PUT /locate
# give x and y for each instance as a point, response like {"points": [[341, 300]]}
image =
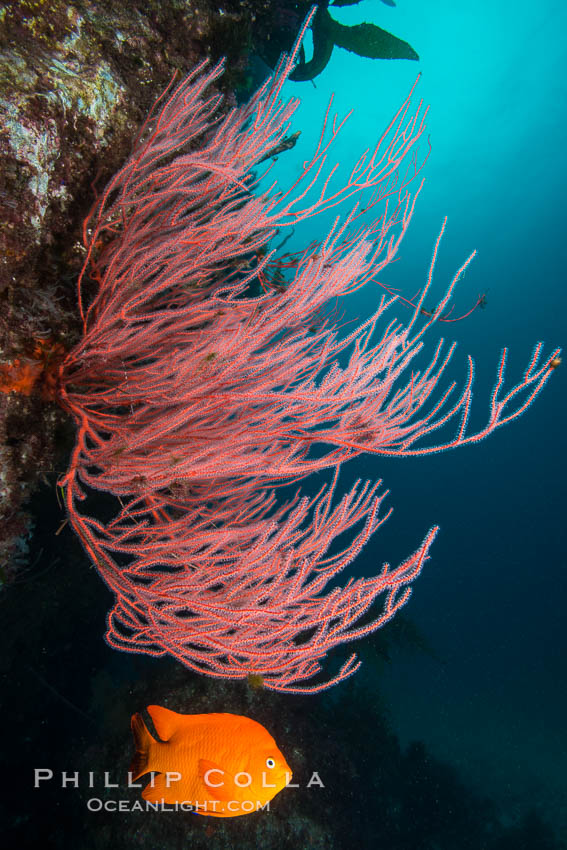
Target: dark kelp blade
{"points": [[372, 41]]}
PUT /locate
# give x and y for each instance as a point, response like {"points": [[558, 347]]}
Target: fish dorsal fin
{"points": [[141, 763], [218, 792], [167, 722]]}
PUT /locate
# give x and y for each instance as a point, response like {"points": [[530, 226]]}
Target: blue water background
{"points": [[491, 601]]}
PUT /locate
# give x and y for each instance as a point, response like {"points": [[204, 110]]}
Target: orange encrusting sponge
{"points": [[37, 371]]}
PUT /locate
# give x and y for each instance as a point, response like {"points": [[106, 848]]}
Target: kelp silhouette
{"points": [[363, 39]]}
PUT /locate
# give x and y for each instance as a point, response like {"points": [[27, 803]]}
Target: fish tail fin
{"points": [[142, 741]]}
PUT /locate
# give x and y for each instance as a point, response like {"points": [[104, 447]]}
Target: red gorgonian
{"points": [[194, 399]]}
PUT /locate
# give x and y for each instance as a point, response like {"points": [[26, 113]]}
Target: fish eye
{"points": [[270, 762]]}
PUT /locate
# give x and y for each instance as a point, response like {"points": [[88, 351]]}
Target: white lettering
{"points": [[315, 780], [247, 780], [266, 784], [40, 774], [288, 781], [70, 779], [131, 783], [208, 780], [107, 782]]}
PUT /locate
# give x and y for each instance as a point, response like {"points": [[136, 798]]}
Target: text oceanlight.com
{"points": [[95, 804]]}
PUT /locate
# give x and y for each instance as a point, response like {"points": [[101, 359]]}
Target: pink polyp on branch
{"points": [[194, 399]]}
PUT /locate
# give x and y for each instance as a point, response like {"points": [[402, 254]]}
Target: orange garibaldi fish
{"points": [[224, 765]]}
